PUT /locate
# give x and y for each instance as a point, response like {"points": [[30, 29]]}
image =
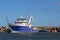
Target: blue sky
{"points": [[44, 12]]}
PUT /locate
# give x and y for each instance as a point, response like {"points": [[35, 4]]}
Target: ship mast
{"points": [[7, 21]]}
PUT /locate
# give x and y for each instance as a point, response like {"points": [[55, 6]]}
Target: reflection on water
{"points": [[33, 36]]}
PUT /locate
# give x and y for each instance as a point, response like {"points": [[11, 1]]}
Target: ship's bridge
{"points": [[21, 20]]}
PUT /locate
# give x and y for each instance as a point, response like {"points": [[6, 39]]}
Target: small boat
{"points": [[22, 25]]}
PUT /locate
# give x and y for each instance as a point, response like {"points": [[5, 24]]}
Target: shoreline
{"points": [[41, 28]]}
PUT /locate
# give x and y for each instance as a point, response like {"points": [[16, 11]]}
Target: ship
{"points": [[22, 25]]}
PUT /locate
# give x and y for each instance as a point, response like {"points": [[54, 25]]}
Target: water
{"points": [[34, 36]]}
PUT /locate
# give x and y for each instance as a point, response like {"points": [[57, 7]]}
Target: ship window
{"points": [[18, 22], [22, 19], [21, 22]]}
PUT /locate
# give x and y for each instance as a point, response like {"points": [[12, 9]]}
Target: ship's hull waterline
{"points": [[22, 29]]}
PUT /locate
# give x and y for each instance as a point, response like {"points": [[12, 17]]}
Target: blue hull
{"points": [[23, 29]]}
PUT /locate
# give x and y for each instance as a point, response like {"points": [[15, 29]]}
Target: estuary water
{"points": [[32, 36]]}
